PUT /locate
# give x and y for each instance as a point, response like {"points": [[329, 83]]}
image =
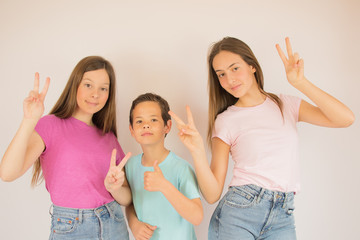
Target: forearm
{"points": [[131, 215], [12, 164], [334, 110], [189, 209], [210, 187], [123, 196]]}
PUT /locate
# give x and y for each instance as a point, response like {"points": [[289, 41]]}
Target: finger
{"points": [[281, 54], [45, 88], [36, 82], [190, 116], [150, 226], [156, 167], [176, 118], [124, 161], [296, 58], [288, 46], [113, 158]]}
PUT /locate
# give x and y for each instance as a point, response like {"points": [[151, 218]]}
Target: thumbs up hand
{"points": [[154, 181], [115, 176]]}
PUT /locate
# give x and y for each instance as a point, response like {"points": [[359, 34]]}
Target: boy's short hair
{"points": [[151, 97]]}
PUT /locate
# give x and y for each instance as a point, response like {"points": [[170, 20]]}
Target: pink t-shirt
{"points": [[75, 161], [263, 145]]}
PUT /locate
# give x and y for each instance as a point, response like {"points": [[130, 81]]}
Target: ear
{"points": [[168, 126], [131, 130], [253, 69]]}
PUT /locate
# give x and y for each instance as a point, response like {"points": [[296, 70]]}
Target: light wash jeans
{"points": [[250, 212], [103, 223]]}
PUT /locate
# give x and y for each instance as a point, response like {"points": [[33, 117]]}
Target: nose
{"points": [[95, 93], [146, 126]]}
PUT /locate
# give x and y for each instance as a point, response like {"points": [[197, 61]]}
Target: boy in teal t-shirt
{"points": [[166, 199]]}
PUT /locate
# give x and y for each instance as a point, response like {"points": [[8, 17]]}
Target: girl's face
{"points": [[234, 74], [148, 127], [92, 94]]}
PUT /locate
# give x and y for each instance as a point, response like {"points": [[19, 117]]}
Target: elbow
{"points": [[198, 218], [347, 122], [6, 177], [212, 200]]}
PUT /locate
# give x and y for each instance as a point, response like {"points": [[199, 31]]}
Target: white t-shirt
{"points": [[263, 144]]}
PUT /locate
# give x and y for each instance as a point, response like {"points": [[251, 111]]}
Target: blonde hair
{"points": [[219, 98], [104, 119]]}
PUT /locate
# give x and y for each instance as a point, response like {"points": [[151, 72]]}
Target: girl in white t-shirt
{"points": [[258, 129]]}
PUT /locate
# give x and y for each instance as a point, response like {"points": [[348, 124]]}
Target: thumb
{"points": [[156, 167], [150, 226]]}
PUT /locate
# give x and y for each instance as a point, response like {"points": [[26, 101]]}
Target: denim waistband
{"points": [[80, 214], [265, 193]]}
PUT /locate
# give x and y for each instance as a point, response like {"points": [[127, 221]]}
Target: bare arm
{"points": [[328, 112], [140, 230], [211, 178], [26, 145], [189, 209]]}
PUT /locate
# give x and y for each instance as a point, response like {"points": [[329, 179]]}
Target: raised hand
{"points": [[188, 133], [115, 176], [154, 181], [294, 65], [33, 105]]}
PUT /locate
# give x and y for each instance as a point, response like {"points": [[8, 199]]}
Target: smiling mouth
{"points": [[236, 87], [90, 103]]}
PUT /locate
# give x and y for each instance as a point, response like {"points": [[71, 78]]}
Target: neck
{"points": [[84, 118], [152, 154], [251, 99]]}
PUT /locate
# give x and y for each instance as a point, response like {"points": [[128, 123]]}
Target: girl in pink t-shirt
{"points": [[258, 129], [77, 151]]}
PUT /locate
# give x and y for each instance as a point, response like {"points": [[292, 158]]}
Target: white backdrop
{"points": [[161, 46]]}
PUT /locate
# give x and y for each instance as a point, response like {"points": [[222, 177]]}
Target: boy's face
{"points": [[148, 126]]}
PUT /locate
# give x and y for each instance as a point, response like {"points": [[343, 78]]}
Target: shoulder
{"points": [[289, 99], [179, 163], [133, 162]]}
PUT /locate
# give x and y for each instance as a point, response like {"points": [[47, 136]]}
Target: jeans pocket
{"points": [[63, 224], [240, 198]]}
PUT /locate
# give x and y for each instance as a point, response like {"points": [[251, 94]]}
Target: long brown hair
{"points": [[219, 98], [65, 107]]}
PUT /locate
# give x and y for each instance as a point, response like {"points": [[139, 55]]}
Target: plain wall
{"points": [[161, 47]]}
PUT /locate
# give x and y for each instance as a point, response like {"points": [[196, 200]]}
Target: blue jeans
{"points": [[103, 223], [251, 212]]}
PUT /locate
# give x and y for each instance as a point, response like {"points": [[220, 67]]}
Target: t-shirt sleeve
{"points": [[221, 131], [188, 183], [292, 103], [45, 128]]}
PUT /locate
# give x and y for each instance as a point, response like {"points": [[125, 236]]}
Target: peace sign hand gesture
{"points": [[115, 177], [188, 133], [33, 105], [294, 65]]}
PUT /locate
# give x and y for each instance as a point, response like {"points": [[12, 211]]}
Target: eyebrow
{"points": [[227, 67], [88, 79]]}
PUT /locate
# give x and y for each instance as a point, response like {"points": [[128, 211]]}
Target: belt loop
{"points": [[284, 203], [51, 208], [109, 209], [260, 195], [80, 217]]}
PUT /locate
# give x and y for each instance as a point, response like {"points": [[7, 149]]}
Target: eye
{"points": [[154, 120], [221, 75], [104, 89], [235, 69], [88, 85], [138, 122]]}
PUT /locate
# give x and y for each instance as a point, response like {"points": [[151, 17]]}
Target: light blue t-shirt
{"points": [[152, 207]]}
